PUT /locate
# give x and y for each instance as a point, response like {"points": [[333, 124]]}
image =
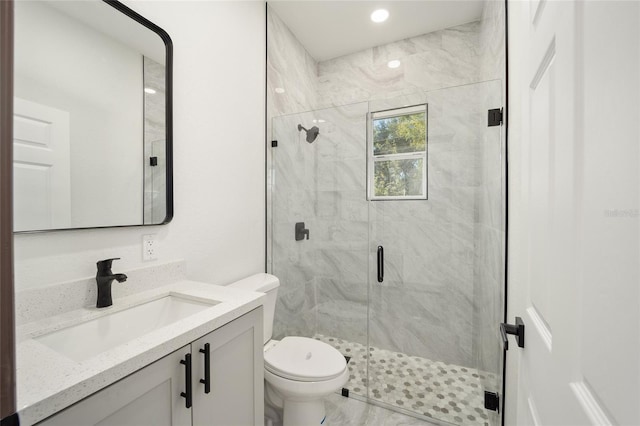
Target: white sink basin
{"points": [[88, 339]]}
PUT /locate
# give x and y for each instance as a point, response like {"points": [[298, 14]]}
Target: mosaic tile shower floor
{"points": [[444, 392]]}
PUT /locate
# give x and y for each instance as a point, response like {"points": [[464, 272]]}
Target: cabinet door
{"points": [[236, 375], [149, 397]]}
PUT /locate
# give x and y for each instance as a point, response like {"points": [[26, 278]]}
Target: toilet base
{"points": [[304, 413], [301, 403]]}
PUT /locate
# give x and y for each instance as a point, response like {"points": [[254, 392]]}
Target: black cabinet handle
{"points": [[207, 368], [187, 375], [380, 264]]}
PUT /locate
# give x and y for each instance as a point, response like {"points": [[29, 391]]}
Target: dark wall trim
{"points": [[7, 326]]}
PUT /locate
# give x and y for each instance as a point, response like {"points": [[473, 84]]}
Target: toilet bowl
{"points": [[299, 372]]}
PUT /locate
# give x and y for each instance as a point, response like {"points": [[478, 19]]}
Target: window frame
{"points": [[372, 158]]}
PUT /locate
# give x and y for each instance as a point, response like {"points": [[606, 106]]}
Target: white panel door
{"points": [[41, 167], [575, 234]]}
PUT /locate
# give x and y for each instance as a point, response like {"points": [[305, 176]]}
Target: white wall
{"points": [[104, 105], [218, 227]]}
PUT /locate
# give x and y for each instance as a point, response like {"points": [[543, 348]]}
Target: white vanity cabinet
{"points": [[236, 395], [156, 394], [150, 396]]}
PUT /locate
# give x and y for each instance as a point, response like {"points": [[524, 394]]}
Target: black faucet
{"points": [[104, 278]]}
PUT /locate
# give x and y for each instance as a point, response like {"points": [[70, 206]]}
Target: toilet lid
{"points": [[304, 359]]}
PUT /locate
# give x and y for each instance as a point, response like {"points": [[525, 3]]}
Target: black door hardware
{"points": [[187, 395], [495, 117], [207, 368], [301, 231], [274, 144], [153, 161], [380, 264], [517, 330], [491, 401]]}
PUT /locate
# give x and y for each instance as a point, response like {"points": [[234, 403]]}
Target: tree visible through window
{"points": [[398, 154]]}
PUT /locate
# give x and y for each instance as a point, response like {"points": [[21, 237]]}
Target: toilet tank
{"points": [[263, 283]]}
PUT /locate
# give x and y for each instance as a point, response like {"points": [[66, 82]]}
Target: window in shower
{"points": [[397, 160]]}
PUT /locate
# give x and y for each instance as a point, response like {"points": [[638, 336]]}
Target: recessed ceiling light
{"points": [[279, 90], [149, 90], [393, 64], [379, 15]]}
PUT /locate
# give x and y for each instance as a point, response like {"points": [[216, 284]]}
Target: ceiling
{"points": [[329, 29]]}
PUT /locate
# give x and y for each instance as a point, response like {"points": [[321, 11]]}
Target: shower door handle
{"points": [[380, 264]]}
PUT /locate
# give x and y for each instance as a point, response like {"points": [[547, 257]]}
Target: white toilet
{"points": [[298, 371]]}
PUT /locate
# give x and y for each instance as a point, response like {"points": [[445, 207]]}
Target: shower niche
{"points": [[401, 158]]}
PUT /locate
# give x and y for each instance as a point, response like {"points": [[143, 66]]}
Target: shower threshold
{"points": [[431, 390]]}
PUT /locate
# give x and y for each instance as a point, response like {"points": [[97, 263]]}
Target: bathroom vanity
{"points": [[186, 353]]}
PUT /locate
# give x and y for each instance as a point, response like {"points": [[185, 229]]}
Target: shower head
{"points": [[312, 133]]}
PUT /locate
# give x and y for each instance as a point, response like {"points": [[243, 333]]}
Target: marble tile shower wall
{"points": [[431, 61], [323, 280], [490, 226], [425, 305], [294, 74], [289, 68], [155, 179], [429, 302]]}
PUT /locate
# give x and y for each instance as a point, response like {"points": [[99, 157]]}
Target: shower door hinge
{"points": [[495, 117], [274, 144], [491, 401], [153, 161]]}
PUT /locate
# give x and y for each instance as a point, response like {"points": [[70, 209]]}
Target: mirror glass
{"points": [[92, 132]]}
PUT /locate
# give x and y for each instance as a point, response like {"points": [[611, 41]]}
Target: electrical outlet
{"points": [[149, 247]]}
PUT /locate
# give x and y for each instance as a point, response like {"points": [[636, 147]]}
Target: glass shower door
{"points": [[433, 342], [424, 339], [321, 184]]}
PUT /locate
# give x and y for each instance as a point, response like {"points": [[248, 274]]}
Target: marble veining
{"points": [[155, 177], [429, 245], [350, 411], [291, 86], [442, 295], [489, 239], [431, 61]]}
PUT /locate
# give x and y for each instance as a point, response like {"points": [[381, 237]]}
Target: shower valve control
{"points": [[301, 231]]}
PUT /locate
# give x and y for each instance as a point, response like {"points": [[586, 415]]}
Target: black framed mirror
{"points": [[92, 117]]}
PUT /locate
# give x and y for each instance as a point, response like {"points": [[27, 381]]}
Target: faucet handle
{"points": [[105, 265]]}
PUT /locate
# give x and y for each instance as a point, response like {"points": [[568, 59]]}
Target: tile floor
{"points": [[343, 411], [444, 392]]}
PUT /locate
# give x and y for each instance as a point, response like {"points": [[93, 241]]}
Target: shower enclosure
{"points": [[403, 268]]}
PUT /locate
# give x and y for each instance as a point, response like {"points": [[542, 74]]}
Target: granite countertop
{"points": [[48, 381]]}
